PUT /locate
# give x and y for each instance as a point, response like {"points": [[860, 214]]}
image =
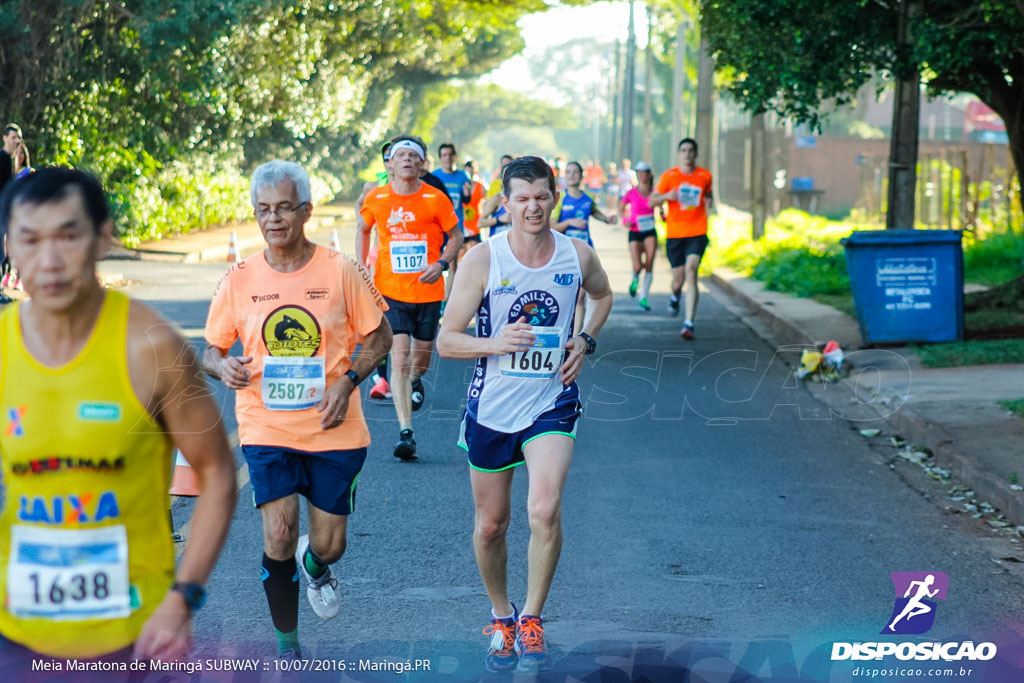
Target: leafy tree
{"points": [[481, 109], [172, 101], [797, 56]]}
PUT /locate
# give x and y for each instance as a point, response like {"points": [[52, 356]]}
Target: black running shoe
{"points": [[405, 449], [419, 394]]}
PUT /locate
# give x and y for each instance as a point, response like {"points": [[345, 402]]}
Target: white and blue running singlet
{"points": [[508, 393], [577, 207]]}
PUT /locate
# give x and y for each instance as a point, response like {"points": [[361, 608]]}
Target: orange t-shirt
{"points": [[471, 221], [687, 213], [410, 229], [318, 312]]}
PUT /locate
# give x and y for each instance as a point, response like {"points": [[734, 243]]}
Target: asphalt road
{"points": [[716, 517]]}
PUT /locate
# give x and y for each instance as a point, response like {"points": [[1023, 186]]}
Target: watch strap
{"points": [[354, 376]]}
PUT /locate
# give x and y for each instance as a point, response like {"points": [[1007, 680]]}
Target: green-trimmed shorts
{"points": [[493, 451]]}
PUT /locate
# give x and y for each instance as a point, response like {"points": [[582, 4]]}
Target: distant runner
{"points": [[687, 189], [411, 220], [572, 218], [638, 217]]}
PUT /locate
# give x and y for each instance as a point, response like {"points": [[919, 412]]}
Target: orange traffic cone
{"points": [[233, 248], [335, 241], [15, 282], [185, 481]]}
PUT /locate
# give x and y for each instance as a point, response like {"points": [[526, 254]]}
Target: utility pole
{"points": [[905, 118], [758, 176], [629, 92], [705, 106], [648, 70], [677, 84], [616, 138]]}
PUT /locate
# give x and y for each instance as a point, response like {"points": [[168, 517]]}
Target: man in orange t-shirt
{"points": [[299, 310], [412, 220], [687, 189]]}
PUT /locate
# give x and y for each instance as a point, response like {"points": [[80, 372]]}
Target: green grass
{"points": [[970, 353], [1016, 407]]}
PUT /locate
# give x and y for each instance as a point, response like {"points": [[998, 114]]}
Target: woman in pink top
{"points": [[638, 217]]}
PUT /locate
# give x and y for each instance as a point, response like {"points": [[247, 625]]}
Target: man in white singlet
{"points": [[523, 406]]}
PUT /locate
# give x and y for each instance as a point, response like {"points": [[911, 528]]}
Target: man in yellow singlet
{"points": [[95, 389]]}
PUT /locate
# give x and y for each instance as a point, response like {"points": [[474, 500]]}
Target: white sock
{"points": [[497, 617], [646, 288], [687, 323]]}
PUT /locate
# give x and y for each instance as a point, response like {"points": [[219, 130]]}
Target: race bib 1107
{"points": [[408, 257]]}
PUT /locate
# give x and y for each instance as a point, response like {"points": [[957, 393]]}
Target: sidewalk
{"points": [[951, 411], [212, 244]]}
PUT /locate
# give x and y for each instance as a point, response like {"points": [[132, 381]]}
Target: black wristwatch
{"points": [[591, 343], [354, 376], [195, 595], [444, 264]]}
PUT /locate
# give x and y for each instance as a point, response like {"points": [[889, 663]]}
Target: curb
{"points": [[986, 486], [910, 427]]}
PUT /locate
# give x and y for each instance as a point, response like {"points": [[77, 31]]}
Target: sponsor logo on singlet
{"points": [[538, 307], [312, 294], [74, 508], [291, 331]]}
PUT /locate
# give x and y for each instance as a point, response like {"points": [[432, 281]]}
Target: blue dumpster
{"points": [[908, 285]]}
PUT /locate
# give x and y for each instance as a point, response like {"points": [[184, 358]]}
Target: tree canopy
{"points": [[171, 101]]}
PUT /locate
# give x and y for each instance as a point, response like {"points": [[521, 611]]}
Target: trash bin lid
{"points": [[899, 237]]}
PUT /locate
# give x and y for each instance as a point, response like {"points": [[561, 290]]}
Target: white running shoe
{"points": [[322, 592]]}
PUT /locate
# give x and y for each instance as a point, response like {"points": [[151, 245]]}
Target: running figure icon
{"points": [[915, 606]]}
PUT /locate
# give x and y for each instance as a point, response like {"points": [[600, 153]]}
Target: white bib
{"points": [[689, 195], [645, 223], [292, 383], [408, 256], [540, 361], [68, 574]]}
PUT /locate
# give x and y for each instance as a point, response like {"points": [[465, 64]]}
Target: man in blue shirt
{"points": [[460, 191]]}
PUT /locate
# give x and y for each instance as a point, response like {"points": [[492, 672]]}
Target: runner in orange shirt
{"points": [[687, 189], [298, 309], [412, 220]]}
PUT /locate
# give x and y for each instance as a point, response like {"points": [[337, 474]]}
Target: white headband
{"points": [[406, 144]]}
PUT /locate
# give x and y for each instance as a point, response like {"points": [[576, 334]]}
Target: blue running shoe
{"points": [[501, 655]]}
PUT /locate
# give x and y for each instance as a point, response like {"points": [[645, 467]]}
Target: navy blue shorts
{"points": [[327, 478], [494, 451]]}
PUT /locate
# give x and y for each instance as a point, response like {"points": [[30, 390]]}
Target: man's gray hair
{"points": [[276, 172]]}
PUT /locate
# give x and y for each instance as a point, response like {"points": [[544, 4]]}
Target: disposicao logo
{"points": [[916, 592], [913, 614]]}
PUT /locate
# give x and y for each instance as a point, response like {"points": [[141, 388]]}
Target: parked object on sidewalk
{"points": [[908, 285]]}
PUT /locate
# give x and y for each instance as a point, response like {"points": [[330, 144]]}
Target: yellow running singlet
{"points": [[85, 541]]}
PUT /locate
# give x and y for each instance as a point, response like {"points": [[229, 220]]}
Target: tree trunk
{"points": [[758, 176], [705, 108], [903, 149]]}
